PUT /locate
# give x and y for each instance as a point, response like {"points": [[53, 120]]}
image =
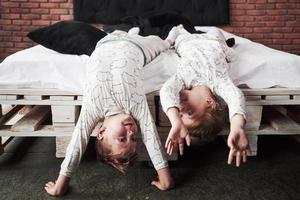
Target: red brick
{"points": [[238, 12], [273, 36], [5, 33], [245, 6], [10, 28], [23, 45], [66, 17], [10, 16], [294, 12], [237, 24], [256, 1], [293, 24], [9, 5], [256, 12], [276, 24], [297, 41], [19, 10], [263, 30], [6, 44], [264, 6], [253, 36], [59, 11], [50, 17], [12, 50], [66, 5], [292, 35], [264, 18], [12, 39], [282, 41], [38, 0], [290, 47], [30, 5], [5, 21], [19, 0], [276, 12], [49, 5], [244, 18], [283, 30], [285, 5], [58, 1], [20, 33], [31, 16], [40, 23], [284, 18], [21, 22], [277, 1], [39, 11], [264, 41], [255, 24], [4, 10]]}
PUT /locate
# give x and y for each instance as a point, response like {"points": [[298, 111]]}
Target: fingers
{"points": [[50, 184], [181, 148], [188, 139], [230, 156], [238, 158], [244, 156], [170, 147]]}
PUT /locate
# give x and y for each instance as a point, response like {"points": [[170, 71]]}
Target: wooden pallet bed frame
{"points": [[55, 113]]}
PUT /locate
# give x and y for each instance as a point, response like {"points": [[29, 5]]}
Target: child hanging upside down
{"points": [[191, 97], [114, 97]]}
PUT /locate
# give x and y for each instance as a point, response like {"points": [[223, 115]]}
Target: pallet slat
{"points": [[32, 120]]}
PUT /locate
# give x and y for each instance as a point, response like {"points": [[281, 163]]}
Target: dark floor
{"points": [[28, 163]]}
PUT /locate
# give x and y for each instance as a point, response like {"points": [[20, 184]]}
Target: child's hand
{"points": [[237, 141], [178, 132], [177, 135], [58, 188], [165, 180]]}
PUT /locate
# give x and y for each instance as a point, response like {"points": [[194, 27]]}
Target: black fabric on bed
{"points": [[153, 23], [68, 37], [199, 12]]}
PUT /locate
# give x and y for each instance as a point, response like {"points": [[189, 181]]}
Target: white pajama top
{"points": [[203, 61], [113, 86]]}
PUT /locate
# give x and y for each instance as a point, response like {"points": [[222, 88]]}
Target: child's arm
{"points": [[77, 146], [237, 139], [170, 101], [153, 145]]}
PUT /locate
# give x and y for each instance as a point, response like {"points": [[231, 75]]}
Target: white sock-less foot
{"points": [[134, 31]]}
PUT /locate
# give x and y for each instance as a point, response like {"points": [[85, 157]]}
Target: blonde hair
{"points": [[211, 123], [121, 161]]}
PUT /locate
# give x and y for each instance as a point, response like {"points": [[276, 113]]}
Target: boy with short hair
{"points": [[191, 97], [114, 96]]}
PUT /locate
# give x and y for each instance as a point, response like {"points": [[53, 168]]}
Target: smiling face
{"points": [[119, 134], [194, 103]]}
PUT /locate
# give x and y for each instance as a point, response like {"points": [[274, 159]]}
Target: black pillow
{"points": [[69, 37]]}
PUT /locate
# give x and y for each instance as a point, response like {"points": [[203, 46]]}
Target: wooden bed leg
{"points": [[253, 144], [1, 146], [61, 145]]}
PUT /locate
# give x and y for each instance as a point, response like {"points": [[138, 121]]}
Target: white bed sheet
{"points": [[255, 65]]}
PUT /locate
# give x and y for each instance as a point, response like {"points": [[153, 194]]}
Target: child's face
{"points": [[119, 133], [194, 103]]}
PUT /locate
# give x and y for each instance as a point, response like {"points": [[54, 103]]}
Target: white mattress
{"points": [[255, 65]]}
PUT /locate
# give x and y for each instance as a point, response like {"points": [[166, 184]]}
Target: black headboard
{"points": [[199, 12]]}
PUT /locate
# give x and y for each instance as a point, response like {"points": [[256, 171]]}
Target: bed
{"points": [[53, 83]]}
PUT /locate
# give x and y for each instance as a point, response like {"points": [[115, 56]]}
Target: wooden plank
{"points": [[30, 91], [253, 144], [10, 97], [271, 91], [64, 114], [8, 115], [273, 102], [35, 97], [43, 131], [38, 102], [32, 120], [253, 115], [280, 121], [62, 98], [277, 97], [61, 145]]}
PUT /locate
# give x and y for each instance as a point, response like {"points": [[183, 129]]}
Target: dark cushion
{"points": [[68, 37]]}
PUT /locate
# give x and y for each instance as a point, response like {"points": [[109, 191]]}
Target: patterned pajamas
{"points": [[113, 86]]}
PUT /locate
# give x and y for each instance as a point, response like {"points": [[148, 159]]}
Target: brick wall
{"points": [[275, 23]]}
